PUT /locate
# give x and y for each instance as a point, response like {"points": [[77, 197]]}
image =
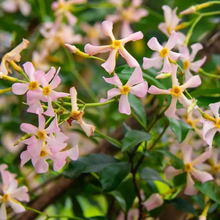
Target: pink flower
{"points": [[202, 176], [63, 7], [76, 115], [132, 215], [135, 86], [188, 59], [11, 193], [42, 134], [59, 158], [46, 94], [176, 91], [129, 15], [212, 125], [153, 202], [12, 6], [115, 47], [164, 53], [13, 55]]}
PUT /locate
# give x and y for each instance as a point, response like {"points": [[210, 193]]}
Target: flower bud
{"points": [[154, 201]]}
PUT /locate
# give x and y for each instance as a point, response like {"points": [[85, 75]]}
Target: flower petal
{"points": [[195, 48], [140, 89], [215, 108], [124, 106], [55, 145], [50, 74], [196, 65], [114, 80], [157, 91], [202, 158], [20, 194], [174, 55], [20, 88], [154, 201], [187, 153], [40, 165], [35, 148], [110, 94], [89, 129], [92, 50], [107, 27], [151, 62], [209, 132], [3, 212], [201, 175], [135, 78], [73, 153], [170, 172], [166, 66], [29, 70], [192, 83], [109, 64], [73, 94], [153, 44], [55, 82], [190, 189], [29, 128], [133, 37], [53, 127], [41, 78], [132, 62], [172, 40], [25, 157]]}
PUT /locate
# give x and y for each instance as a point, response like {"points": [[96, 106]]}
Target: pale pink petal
{"points": [[9, 6], [20, 194], [184, 101], [41, 78], [55, 82], [61, 137], [196, 65], [110, 94], [49, 111], [110, 63], [24, 7], [12, 186], [170, 172], [202, 158], [53, 127], [73, 153], [107, 27], [138, 14], [20, 88], [154, 201], [190, 189], [92, 50], [174, 55], [89, 129], [55, 95], [166, 66], [193, 82], [30, 140], [174, 19], [184, 53], [209, 130], [29, 70], [215, 109], [187, 153], [50, 74], [35, 149], [41, 122], [16, 206], [135, 78], [167, 14], [33, 97], [55, 145], [70, 18], [113, 18], [73, 94], [153, 44], [151, 62], [132, 62], [201, 175], [3, 212], [28, 128], [25, 157], [163, 27], [114, 80], [35, 108], [139, 90], [60, 158], [40, 165], [195, 48], [126, 30], [157, 91], [133, 37], [57, 168], [187, 74], [124, 106], [172, 40], [170, 112]]}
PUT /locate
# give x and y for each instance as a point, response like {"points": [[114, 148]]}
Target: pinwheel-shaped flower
{"points": [[164, 53], [211, 125], [176, 91], [11, 193], [202, 176], [115, 47], [76, 115], [188, 59], [153, 202], [47, 94], [42, 135], [11, 57], [135, 86]]}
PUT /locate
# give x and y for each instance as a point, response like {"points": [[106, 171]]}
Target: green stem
{"points": [[96, 58], [24, 75], [138, 120], [108, 138], [208, 74]]}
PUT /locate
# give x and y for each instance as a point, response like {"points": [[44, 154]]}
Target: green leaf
{"points": [[91, 163], [151, 174], [138, 108], [206, 188], [207, 91], [133, 138], [179, 128], [198, 200], [183, 205], [112, 175], [176, 162], [119, 198]]}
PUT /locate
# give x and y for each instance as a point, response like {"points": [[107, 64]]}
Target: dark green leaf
{"points": [[90, 163], [151, 174], [180, 179], [206, 188], [176, 162], [183, 205], [112, 175], [179, 128], [119, 198], [198, 200], [133, 138]]}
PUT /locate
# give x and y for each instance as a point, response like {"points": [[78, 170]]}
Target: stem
{"points": [[5, 90], [208, 74], [158, 117], [138, 120], [96, 58], [12, 79], [108, 138]]}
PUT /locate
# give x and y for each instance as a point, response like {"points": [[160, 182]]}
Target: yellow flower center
{"points": [[190, 122], [176, 91], [5, 197], [217, 123], [46, 90], [41, 135], [215, 168], [43, 153], [116, 44], [186, 65], [33, 85], [164, 52], [188, 167], [125, 90], [76, 115]]}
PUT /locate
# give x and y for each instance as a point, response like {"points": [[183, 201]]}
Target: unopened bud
{"points": [[163, 76], [189, 10], [192, 106], [75, 50]]}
